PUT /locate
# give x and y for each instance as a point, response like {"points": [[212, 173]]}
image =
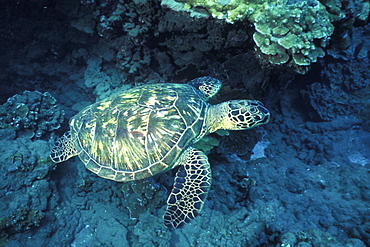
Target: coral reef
{"points": [[21, 220], [24, 186], [315, 173], [316, 237], [229, 10], [143, 196], [35, 111], [292, 34], [153, 44], [103, 80], [129, 23], [343, 92]]}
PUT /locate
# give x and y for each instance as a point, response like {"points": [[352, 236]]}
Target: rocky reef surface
{"points": [[301, 180]]}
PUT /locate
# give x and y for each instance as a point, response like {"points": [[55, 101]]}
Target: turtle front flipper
{"points": [[64, 148], [209, 86], [192, 183]]}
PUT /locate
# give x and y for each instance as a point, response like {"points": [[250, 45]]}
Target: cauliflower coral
{"points": [[292, 34]]}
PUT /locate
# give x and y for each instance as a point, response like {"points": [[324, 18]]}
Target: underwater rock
{"points": [[24, 186], [132, 22], [328, 102], [21, 220], [316, 237], [343, 92], [31, 110], [103, 80], [150, 43], [240, 144], [350, 44], [142, 196], [149, 231]]}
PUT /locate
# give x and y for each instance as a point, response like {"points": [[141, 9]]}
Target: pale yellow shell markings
{"points": [[139, 132], [130, 140], [104, 106]]}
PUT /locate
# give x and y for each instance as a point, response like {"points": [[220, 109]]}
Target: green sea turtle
{"points": [[152, 128]]}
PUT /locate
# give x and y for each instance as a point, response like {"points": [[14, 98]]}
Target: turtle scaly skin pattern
{"points": [[150, 129]]}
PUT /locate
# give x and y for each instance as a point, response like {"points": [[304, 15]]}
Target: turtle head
{"points": [[238, 115]]}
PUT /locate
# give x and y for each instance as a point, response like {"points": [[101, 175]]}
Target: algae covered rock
{"points": [[292, 34], [316, 237], [25, 188], [31, 110], [142, 195]]}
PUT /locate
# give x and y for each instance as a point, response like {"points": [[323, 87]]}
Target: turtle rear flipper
{"points": [[192, 183], [63, 149]]}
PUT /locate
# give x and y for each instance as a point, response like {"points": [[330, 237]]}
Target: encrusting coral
{"points": [[32, 110]]}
